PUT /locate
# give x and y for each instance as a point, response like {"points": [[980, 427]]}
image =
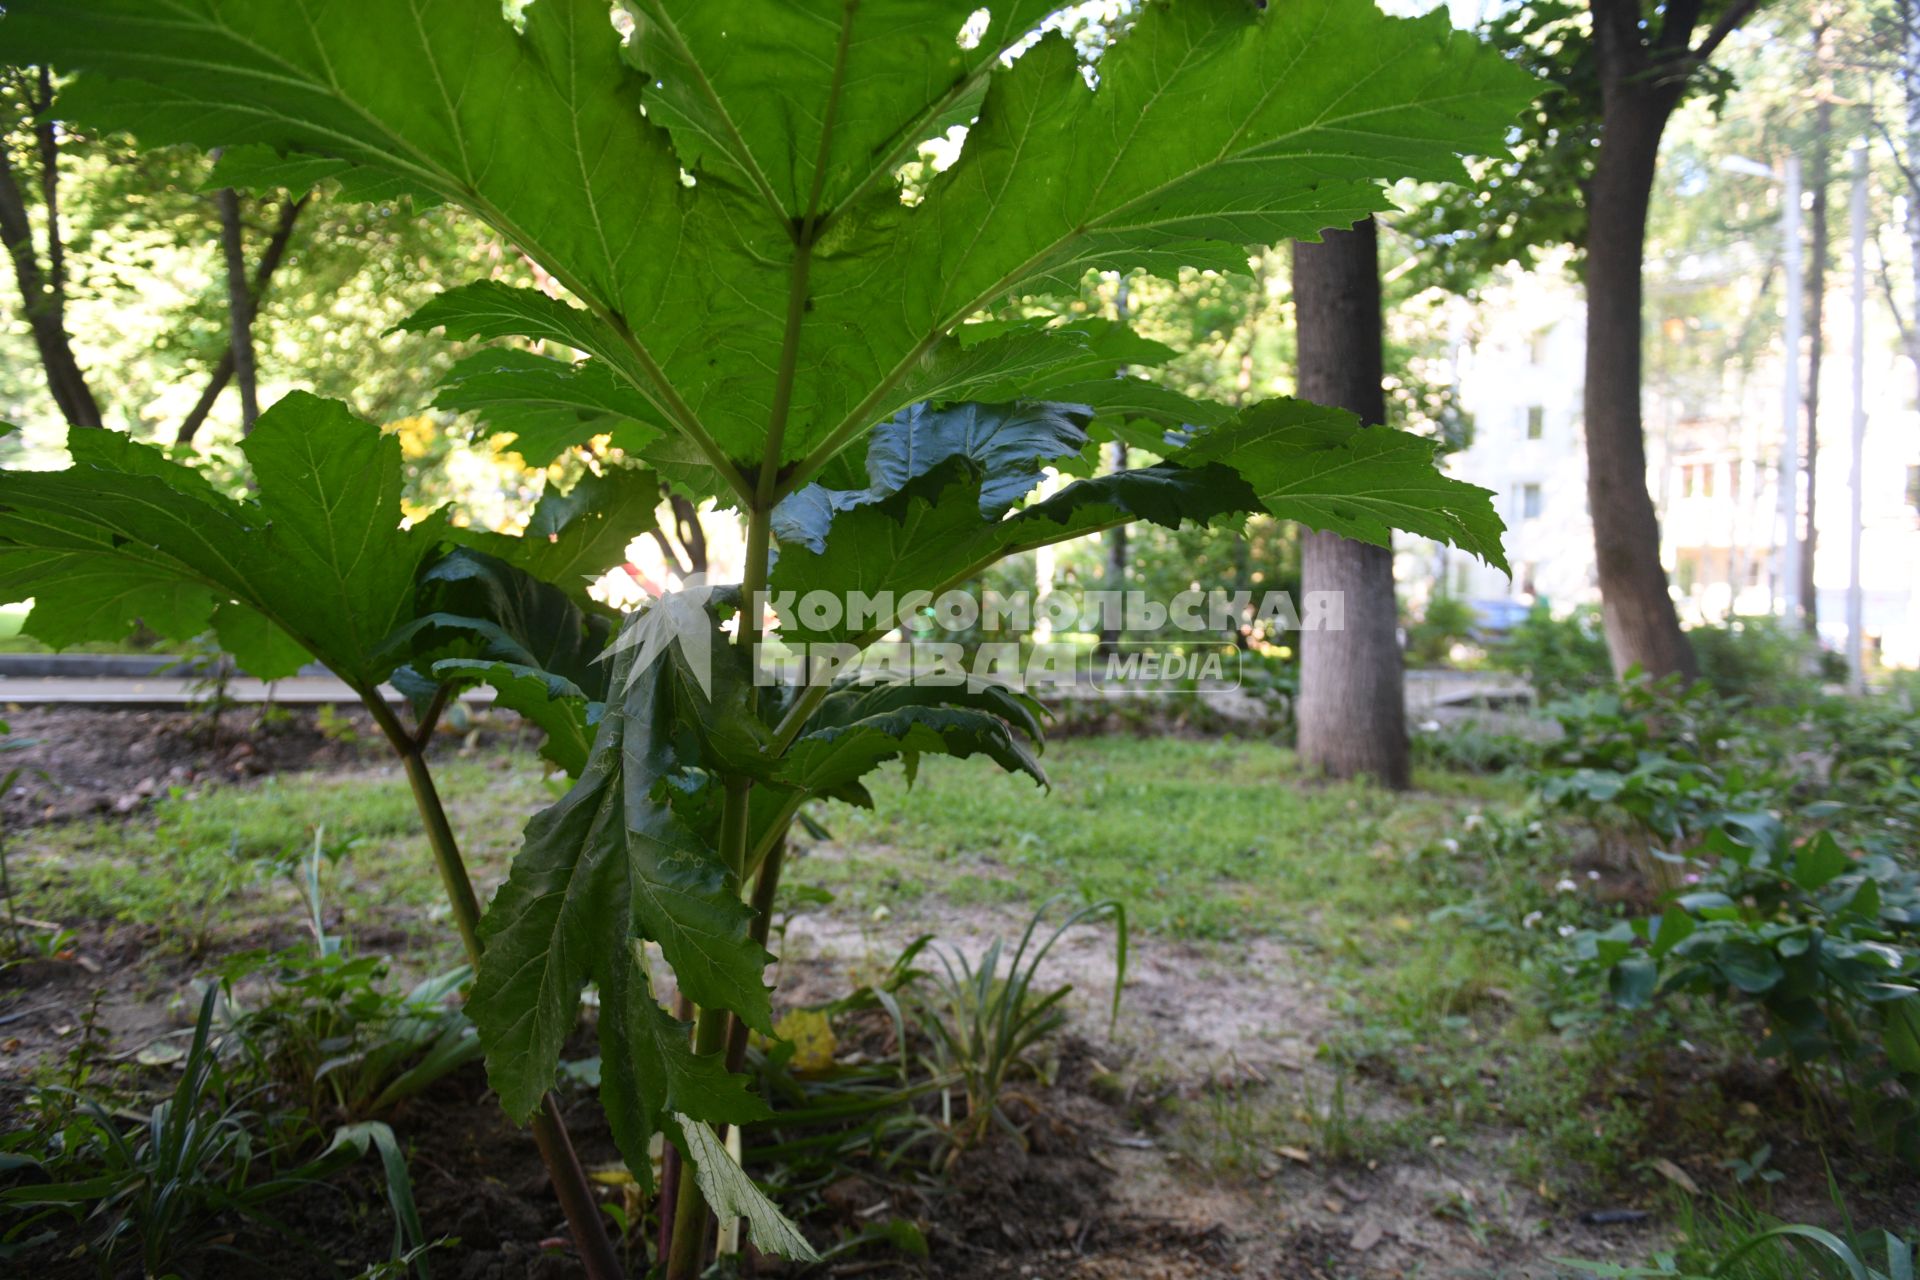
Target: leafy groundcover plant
{"points": [[767, 314]]}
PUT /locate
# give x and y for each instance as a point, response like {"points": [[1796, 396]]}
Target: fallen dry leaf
{"points": [[1365, 1237], [1676, 1175]]}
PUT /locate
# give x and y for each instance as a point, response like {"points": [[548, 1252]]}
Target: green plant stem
{"points": [[670, 1159], [691, 1221], [549, 1133], [765, 890], [689, 1210], [713, 1029]]}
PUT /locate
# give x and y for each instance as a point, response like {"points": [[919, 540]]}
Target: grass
{"points": [[1446, 1006], [1428, 920], [207, 868], [1200, 839]]}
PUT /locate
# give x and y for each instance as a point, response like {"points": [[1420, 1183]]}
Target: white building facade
{"points": [[1712, 471]]}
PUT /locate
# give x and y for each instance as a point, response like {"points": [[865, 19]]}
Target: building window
{"points": [[1536, 421], [1530, 503], [1706, 478], [1537, 348], [1913, 488]]}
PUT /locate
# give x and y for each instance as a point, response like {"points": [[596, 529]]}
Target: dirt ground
{"points": [[1192, 1026], [78, 761], [1102, 1188]]}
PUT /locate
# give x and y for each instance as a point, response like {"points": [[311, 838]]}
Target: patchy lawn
{"points": [[1345, 1029]]}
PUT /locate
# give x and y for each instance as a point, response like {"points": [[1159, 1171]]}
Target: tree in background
{"points": [[1583, 175], [1352, 712], [136, 263], [40, 272]]}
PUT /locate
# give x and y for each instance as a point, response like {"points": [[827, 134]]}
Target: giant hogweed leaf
{"points": [[319, 555], [330, 492], [547, 406], [823, 760], [573, 537], [855, 702], [1220, 126], [747, 96], [1010, 444], [606, 865], [1319, 467], [537, 131], [554, 704], [1214, 124], [490, 309], [1284, 457], [261, 170], [931, 535], [474, 605]]}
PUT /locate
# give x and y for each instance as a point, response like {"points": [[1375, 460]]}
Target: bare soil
{"points": [[81, 761], [1101, 1188]]}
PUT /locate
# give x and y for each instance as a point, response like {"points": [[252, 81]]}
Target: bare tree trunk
{"points": [[239, 306], [1352, 708], [1819, 177], [686, 522], [222, 374], [43, 291], [1642, 627]]}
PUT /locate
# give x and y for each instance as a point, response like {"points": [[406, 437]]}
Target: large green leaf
{"points": [[318, 556], [855, 702], [606, 865], [573, 537], [828, 758], [548, 406], [1212, 125], [1318, 466], [1010, 444], [1284, 457], [555, 704], [807, 104], [473, 605]]}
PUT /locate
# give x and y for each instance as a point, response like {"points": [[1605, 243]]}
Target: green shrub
{"points": [[1815, 919], [1447, 622], [1761, 659], [1469, 747], [1559, 656]]}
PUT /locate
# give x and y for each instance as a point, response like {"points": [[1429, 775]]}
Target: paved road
{"points": [[161, 692], [82, 680]]}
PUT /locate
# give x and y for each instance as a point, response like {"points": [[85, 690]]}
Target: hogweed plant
{"points": [[768, 304]]}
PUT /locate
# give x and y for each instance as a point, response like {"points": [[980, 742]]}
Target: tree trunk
{"points": [[43, 297], [1352, 707], [686, 521], [222, 374], [1642, 628], [239, 307], [1819, 176]]}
